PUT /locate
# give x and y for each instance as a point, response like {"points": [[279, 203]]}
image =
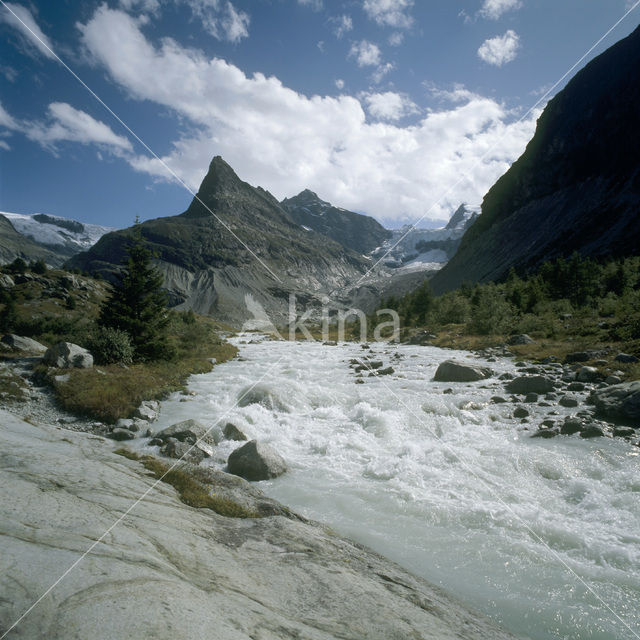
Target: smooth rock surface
{"points": [[256, 461], [171, 572], [619, 402], [187, 431], [530, 384], [454, 371], [21, 343]]}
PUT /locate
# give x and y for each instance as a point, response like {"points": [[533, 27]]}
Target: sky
{"points": [[400, 109]]}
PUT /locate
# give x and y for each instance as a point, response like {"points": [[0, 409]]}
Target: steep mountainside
{"points": [[211, 270], [14, 245], [577, 185], [353, 230]]}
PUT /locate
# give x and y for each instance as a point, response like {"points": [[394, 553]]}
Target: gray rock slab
{"points": [[172, 572], [454, 371]]}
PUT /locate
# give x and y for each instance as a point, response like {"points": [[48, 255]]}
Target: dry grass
{"points": [[112, 392], [190, 490], [12, 386]]}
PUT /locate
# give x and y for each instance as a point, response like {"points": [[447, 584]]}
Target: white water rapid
{"points": [[542, 535]]}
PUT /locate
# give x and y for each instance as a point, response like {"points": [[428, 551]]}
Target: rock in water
{"points": [[256, 461], [453, 371], [173, 572], [231, 432], [530, 384], [66, 355], [620, 402], [187, 431]]}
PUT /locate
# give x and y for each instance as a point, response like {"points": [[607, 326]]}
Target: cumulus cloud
{"points": [[396, 39], [341, 25], [494, 9], [389, 105], [66, 123], [501, 49], [340, 84], [22, 20], [390, 13], [285, 141], [367, 54], [220, 19]]}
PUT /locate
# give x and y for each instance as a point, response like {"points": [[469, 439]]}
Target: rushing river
{"points": [[541, 535]]}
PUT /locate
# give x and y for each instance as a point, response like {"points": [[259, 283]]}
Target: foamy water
{"points": [[541, 535]]}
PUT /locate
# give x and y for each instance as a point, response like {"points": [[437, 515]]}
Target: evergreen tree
{"points": [[138, 305]]}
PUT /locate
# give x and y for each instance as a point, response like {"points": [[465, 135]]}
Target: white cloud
{"points": [[381, 72], [389, 13], [65, 123], [494, 9], [501, 49], [316, 5], [396, 39], [152, 6], [21, 19], [220, 19], [286, 141], [340, 84], [4, 145], [367, 54], [458, 93], [389, 105], [341, 25]]}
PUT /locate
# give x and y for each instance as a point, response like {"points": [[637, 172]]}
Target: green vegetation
{"points": [[137, 305], [566, 305], [39, 307], [189, 488]]}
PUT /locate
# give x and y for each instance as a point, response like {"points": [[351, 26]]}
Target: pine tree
{"points": [[138, 305]]}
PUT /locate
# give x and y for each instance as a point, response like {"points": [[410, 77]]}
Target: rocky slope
{"points": [[577, 185], [169, 571], [211, 270], [353, 230], [15, 245]]}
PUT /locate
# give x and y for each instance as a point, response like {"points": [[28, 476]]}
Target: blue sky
{"points": [[401, 109]]}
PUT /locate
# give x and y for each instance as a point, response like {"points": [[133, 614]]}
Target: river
{"points": [[541, 535]]}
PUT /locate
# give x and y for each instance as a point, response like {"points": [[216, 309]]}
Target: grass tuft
{"points": [[190, 490]]}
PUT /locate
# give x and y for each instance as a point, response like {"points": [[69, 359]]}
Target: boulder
{"points": [[520, 412], [568, 401], [611, 380], [591, 431], [187, 431], [523, 338], [66, 355], [571, 425], [191, 453], [531, 397], [585, 356], [588, 374], [6, 281], [385, 372], [453, 371], [530, 384], [122, 434], [231, 432], [148, 411], [498, 400], [576, 386], [256, 461], [620, 402], [625, 357], [20, 343], [545, 433], [624, 432]]}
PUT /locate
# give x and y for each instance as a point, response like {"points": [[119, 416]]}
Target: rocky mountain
{"points": [[61, 235], [577, 185], [15, 245], [235, 250], [353, 230], [412, 249]]}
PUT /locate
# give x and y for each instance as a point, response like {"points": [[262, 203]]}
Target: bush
{"points": [[111, 346], [490, 312], [17, 266], [39, 267]]}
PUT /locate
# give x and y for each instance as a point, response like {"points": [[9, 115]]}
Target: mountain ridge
{"points": [[575, 188]]}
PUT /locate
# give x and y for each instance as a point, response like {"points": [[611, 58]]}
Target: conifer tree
{"points": [[137, 303]]}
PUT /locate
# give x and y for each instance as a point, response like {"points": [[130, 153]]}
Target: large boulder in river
{"points": [[189, 431], [256, 461], [66, 355], [454, 371], [530, 384], [620, 402], [20, 343]]}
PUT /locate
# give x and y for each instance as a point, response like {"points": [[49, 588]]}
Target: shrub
{"points": [[39, 267], [17, 266], [111, 346]]}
